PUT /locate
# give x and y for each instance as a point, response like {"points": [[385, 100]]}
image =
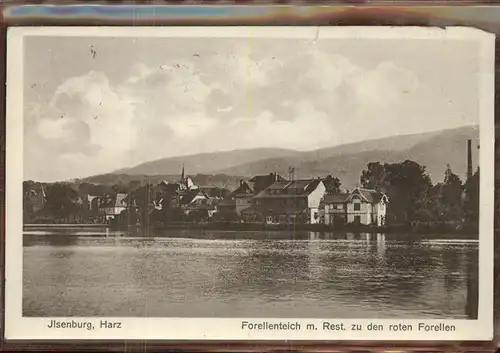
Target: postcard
{"points": [[249, 183]]}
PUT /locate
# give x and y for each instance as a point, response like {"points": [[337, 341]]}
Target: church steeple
{"points": [[182, 174]]}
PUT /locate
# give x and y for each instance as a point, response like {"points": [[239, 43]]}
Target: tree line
{"points": [[413, 198]]}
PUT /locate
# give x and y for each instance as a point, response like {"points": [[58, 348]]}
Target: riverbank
{"points": [[238, 226], [323, 228], [463, 232], [66, 225]]}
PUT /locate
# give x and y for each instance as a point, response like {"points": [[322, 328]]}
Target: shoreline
{"points": [[259, 227]]}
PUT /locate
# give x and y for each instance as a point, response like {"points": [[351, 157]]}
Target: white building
{"points": [[361, 206]]}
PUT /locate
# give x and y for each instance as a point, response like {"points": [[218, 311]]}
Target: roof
{"points": [[121, 200], [201, 204], [214, 191], [243, 190], [278, 185], [264, 177], [188, 196], [307, 185], [291, 189], [370, 195], [336, 198]]}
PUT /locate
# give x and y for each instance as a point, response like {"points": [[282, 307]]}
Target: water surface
{"points": [[194, 273]]}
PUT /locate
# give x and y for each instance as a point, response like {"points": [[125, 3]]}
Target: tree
{"points": [[451, 195], [406, 184], [332, 184], [133, 185], [143, 198], [471, 198], [61, 200], [120, 188], [374, 177]]}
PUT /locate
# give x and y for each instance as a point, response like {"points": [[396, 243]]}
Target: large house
{"points": [[236, 201], [284, 201], [361, 206]]}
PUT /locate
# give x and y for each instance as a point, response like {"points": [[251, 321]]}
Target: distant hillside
{"points": [[433, 149], [218, 180], [205, 163]]}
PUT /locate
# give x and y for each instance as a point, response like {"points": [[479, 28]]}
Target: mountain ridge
{"points": [[434, 149]]}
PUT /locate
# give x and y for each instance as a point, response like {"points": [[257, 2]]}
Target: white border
{"points": [[17, 327]]}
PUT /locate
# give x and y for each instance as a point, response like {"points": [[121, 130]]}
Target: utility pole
{"points": [[291, 173]]}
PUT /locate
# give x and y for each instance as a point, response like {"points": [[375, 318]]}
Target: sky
{"points": [[95, 105]]}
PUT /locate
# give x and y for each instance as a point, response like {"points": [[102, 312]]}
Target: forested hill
{"points": [[434, 150]]}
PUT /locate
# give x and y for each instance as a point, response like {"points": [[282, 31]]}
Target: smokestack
{"points": [[469, 158]]}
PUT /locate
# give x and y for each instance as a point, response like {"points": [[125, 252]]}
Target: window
{"points": [[340, 207], [357, 219], [357, 206]]}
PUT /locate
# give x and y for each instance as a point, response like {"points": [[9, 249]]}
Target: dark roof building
{"points": [[289, 189], [260, 182]]}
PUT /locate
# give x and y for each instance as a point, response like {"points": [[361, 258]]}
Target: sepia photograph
{"points": [[251, 176]]}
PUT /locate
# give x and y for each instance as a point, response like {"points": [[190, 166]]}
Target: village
{"points": [[270, 199], [397, 193]]}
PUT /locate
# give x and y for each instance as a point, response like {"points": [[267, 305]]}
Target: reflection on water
{"points": [[200, 273]]}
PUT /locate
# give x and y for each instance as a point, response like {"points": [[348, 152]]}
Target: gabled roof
{"points": [[369, 195], [307, 185], [243, 190], [121, 200], [335, 198], [290, 189], [214, 191], [116, 200], [202, 204], [187, 197]]}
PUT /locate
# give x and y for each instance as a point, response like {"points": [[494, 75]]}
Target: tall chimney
{"points": [[469, 158]]}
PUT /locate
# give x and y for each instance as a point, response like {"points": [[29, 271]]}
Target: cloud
{"points": [[239, 98]]}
